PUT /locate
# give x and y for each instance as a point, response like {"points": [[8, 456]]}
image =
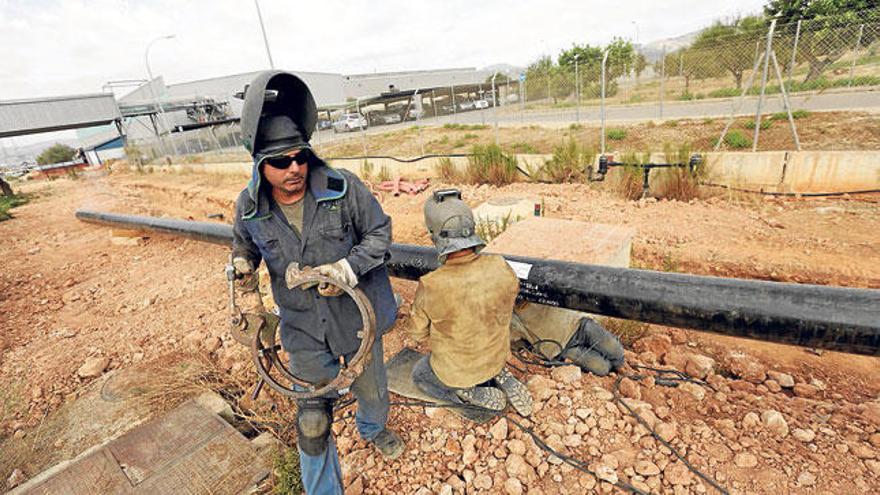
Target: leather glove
{"points": [[341, 272]]}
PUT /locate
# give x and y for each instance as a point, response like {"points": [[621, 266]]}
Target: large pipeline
{"points": [[834, 318]]}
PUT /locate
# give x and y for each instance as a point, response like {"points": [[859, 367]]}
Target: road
{"points": [[814, 102]]}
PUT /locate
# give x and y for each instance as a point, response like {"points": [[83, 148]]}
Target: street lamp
{"points": [[265, 39], [150, 83]]}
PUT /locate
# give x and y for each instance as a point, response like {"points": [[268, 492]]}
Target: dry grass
{"points": [[446, 171], [628, 331], [626, 181], [679, 183], [490, 165]]}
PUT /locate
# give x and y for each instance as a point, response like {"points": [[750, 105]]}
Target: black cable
{"points": [[571, 461], [400, 160], [676, 376], [616, 392], [790, 194]]}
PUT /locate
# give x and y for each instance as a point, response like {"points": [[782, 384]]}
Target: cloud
{"points": [[54, 47]]}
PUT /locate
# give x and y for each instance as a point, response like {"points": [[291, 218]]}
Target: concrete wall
{"points": [[799, 172]]}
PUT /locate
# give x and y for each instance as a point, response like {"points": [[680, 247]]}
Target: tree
{"points": [[829, 28], [729, 46], [692, 63], [56, 153]]}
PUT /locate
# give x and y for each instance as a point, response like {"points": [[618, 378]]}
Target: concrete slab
{"points": [[188, 450], [505, 211], [566, 240]]}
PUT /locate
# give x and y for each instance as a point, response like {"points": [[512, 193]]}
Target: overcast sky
{"points": [[54, 47]]}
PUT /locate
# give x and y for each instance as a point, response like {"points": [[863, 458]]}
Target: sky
{"points": [[54, 47]]}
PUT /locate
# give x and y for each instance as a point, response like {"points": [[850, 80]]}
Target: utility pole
{"points": [[265, 39]]}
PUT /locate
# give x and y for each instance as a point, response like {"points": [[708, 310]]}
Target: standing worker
{"points": [[298, 212]]}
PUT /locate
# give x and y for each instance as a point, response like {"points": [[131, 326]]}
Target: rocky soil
{"points": [[769, 418]]}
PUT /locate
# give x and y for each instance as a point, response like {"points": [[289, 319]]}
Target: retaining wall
{"points": [[772, 171]]}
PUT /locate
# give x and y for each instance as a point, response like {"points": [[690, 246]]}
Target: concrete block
{"points": [[501, 211], [566, 240]]}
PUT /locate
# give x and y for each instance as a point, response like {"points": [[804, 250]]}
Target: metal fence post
{"points": [[452, 94], [797, 36], [662, 77], [602, 100], [763, 84], [577, 90], [852, 68], [494, 107], [357, 103]]}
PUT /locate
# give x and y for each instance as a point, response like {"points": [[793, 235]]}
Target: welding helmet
{"points": [[451, 223], [279, 114]]}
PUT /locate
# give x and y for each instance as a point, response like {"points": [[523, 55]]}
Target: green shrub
{"points": [[670, 123], [616, 134], [765, 124], [736, 140], [685, 96], [9, 202], [724, 93], [470, 136], [568, 163], [575, 127], [490, 165], [465, 127], [523, 148], [797, 114], [287, 471]]}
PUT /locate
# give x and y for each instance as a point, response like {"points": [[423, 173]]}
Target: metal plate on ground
{"points": [[187, 450], [400, 382]]}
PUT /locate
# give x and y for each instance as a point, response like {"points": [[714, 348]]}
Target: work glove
{"points": [[341, 272], [594, 348], [245, 269]]}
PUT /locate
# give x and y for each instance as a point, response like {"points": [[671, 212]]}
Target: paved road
{"points": [[841, 101]]}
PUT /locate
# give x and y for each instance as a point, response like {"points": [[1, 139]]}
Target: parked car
{"points": [[350, 122], [384, 118], [466, 105], [324, 124], [478, 104]]}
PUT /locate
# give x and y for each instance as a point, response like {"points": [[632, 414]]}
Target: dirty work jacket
{"points": [[464, 309], [341, 219], [548, 328]]}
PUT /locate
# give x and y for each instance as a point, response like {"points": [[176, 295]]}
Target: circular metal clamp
{"points": [[264, 349]]}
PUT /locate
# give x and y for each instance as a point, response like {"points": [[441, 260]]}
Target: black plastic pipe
{"points": [[834, 318]]}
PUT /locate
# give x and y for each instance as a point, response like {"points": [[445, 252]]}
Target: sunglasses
{"points": [[284, 161]]}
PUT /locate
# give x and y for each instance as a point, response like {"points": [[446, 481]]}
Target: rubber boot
{"points": [[516, 392]]}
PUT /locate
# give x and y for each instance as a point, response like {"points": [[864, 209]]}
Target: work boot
{"points": [[517, 393], [588, 359], [486, 397], [389, 444], [602, 341]]}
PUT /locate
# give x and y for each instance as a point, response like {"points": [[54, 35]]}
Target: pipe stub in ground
{"points": [[264, 350]]}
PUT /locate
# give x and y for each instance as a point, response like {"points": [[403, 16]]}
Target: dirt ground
{"points": [[68, 294], [817, 131]]}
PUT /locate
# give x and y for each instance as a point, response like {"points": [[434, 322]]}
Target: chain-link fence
{"points": [[723, 71], [813, 55]]}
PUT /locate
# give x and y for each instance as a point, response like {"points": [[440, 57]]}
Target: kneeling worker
{"points": [[464, 309]]}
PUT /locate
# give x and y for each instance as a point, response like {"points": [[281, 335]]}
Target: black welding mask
{"points": [[279, 114]]}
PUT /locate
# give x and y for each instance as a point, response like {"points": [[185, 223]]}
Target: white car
{"points": [[350, 122], [478, 104]]}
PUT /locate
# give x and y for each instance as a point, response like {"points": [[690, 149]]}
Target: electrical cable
{"points": [[791, 194]]}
